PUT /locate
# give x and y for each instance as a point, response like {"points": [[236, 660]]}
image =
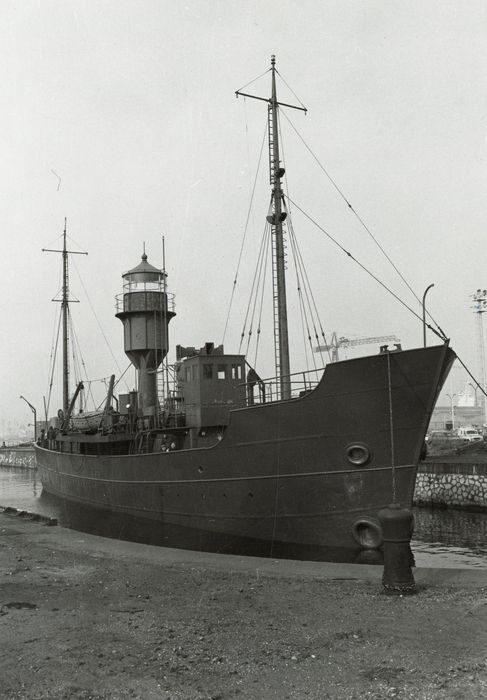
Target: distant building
{"points": [[444, 418]]}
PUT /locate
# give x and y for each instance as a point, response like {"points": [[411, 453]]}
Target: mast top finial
{"points": [[273, 60]]}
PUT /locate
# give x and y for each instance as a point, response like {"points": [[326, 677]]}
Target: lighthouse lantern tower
{"points": [[145, 309]]}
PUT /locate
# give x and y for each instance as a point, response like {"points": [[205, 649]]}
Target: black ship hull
{"points": [[310, 471]]}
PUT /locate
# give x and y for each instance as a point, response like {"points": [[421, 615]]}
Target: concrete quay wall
{"points": [[451, 484], [17, 457]]}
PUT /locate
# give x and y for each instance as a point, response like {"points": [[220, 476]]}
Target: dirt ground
{"points": [[86, 617]]}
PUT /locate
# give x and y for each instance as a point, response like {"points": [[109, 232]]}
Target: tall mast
{"points": [[281, 336], [65, 313]]}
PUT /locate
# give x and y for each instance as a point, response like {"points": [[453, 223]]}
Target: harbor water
{"points": [[442, 537]]}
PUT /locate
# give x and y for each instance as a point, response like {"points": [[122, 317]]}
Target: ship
{"points": [[295, 460]]}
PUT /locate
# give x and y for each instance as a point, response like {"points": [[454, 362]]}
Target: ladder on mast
{"points": [[275, 288]]}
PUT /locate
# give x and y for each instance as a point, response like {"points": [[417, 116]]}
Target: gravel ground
{"points": [[85, 617]]}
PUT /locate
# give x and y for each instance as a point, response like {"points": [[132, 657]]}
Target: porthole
{"points": [[358, 454]]}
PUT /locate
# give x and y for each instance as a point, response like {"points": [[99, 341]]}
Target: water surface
{"points": [[442, 537]]}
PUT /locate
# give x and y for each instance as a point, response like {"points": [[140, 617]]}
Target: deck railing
{"points": [[269, 389]]}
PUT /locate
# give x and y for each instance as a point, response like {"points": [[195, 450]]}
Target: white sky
{"points": [[132, 104]]}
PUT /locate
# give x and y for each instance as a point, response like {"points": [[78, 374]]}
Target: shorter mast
{"points": [[276, 219], [65, 313], [165, 366]]}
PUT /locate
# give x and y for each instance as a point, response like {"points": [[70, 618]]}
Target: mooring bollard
{"points": [[397, 528]]}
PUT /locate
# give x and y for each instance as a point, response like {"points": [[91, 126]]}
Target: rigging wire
{"points": [[256, 273], [69, 238], [306, 307], [312, 304], [54, 336], [290, 88], [308, 288], [303, 330], [78, 359], [371, 274], [89, 394], [123, 375], [53, 361], [477, 383], [75, 362], [300, 269], [310, 319], [254, 80], [79, 365], [361, 221], [245, 233], [258, 283], [302, 308], [261, 307], [97, 321]]}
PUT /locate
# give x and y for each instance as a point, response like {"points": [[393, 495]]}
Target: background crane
{"points": [[343, 342]]}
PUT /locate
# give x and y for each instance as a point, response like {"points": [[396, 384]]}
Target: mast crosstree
{"points": [[276, 219]]}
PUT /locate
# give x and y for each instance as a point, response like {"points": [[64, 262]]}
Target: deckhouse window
{"points": [[208, 371], [222, 371], [237, 372]]}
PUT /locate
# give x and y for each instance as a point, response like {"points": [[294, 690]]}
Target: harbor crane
{"points": [[343, 342]]}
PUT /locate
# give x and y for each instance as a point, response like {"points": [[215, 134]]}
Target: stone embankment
{"points": [[454, 481], [18, 457]]}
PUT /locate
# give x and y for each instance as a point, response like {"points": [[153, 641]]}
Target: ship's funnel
{"points": [[145, 309]]}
